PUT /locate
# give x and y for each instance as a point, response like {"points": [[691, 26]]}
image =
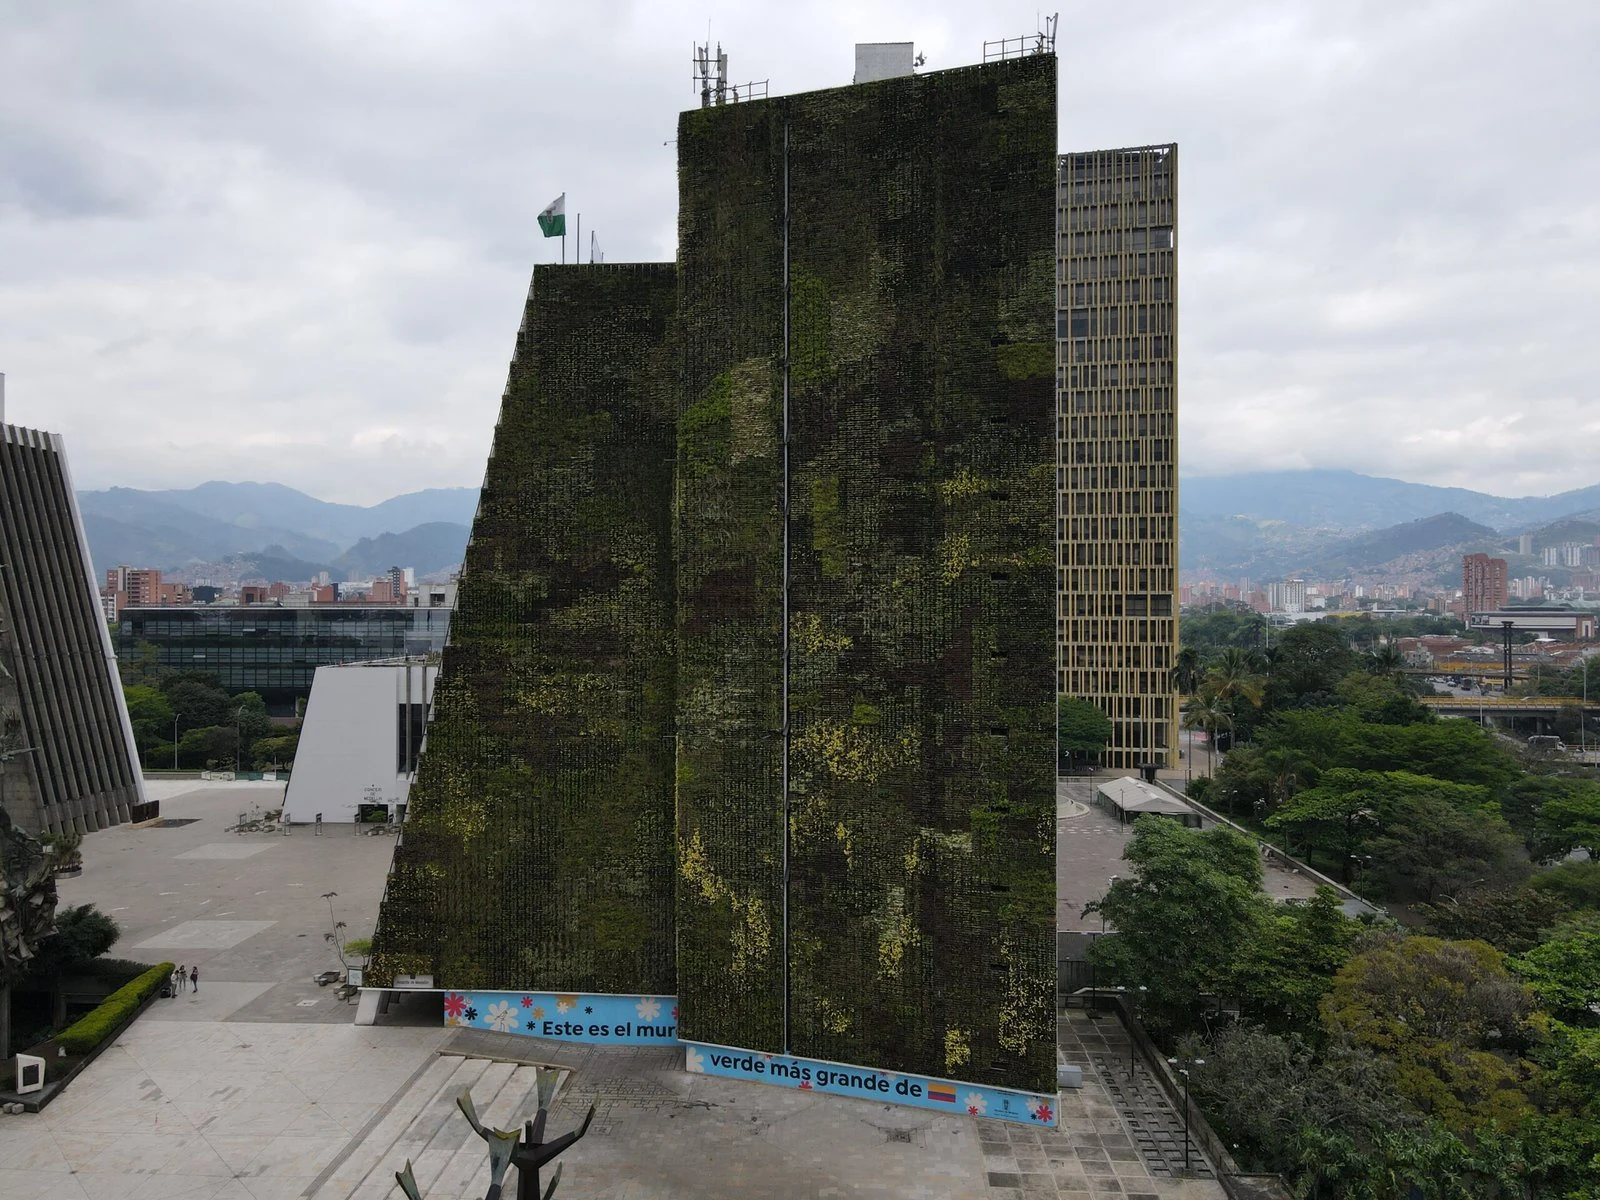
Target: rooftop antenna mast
{"points": [[713, 88], [1047, 35]]}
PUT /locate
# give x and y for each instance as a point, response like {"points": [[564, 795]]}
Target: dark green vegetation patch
{"points": [[538, 847], [921, 359]]}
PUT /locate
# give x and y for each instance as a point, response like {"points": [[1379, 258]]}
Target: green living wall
{"points": [[921, 226], [538, 849]]}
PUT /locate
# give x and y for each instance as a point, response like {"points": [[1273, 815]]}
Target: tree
{"points": [[1337, 817], [1564, 973], [213, 746], [1421, 835], [198, 705], [1511, 919], [1235, 676], [1381, 699], [1576, 884], [273, 752], [1385, 660], [1184, 915], [1211, 629], [1082, 728], [151, 715], [250, 716], [1291, 964], [83, 933], [1444, 1013], [1432, 845], [1570, 821], [1332, 1125], [1186, 671], [1307, 665]]}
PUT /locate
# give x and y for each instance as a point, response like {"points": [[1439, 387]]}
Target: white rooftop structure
{"points": [[1129, 798], [883, 60], [360, 740]]}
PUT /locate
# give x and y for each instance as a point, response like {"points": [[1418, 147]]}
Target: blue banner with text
{"points": [[864, 1083], [606, 1020]]}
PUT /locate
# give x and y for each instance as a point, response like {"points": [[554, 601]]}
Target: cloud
{"points": [[291, 240]]}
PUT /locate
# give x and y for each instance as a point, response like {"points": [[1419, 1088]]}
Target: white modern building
{"points": [[360, 739]]}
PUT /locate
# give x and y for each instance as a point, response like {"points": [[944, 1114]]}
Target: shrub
{"points": [[100, 1023]]}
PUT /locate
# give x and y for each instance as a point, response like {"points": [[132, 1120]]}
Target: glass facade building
{"points": [[276, 651]]}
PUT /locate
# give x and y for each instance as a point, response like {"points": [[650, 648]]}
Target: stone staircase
{"points": [[423, 1124]]}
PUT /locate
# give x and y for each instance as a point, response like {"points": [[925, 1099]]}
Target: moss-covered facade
{"points": [[538, 850], [853, 633], [916, 220]]}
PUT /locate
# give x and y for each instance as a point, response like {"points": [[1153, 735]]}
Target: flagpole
{"points": [[577, 238]]}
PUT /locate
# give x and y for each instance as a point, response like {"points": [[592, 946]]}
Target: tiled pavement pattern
{"points": [[1100, 1045]]}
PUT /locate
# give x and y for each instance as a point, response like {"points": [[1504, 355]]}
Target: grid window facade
{"points": [[1117, 437], [276, 651]]}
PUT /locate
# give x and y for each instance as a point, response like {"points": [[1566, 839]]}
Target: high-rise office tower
{"points": [[71, 760], [802, 618], [1117, 424], [1484, 583]]}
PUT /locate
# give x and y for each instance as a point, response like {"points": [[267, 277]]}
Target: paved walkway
{"points": [[1103, 1145], [258, 1087], [1102, 1047]]}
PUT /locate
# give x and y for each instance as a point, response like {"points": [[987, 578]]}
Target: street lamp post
{"points": [[238, 743], [1184, 1071], [1134, 996], [175, 717]]}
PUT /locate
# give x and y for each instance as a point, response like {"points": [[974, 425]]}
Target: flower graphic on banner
{"points": [[503, 1017], [565, 1004], [693, 1060], [648, 1009], [527, 1002], [976, 1104], [1041, 1111], [470, 1015], [538, 1014], [805, 1085], [454, 1004]]}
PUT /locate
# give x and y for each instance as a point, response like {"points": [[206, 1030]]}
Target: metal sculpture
{"points": [[526, 1150]]}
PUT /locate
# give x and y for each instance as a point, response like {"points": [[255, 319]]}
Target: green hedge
{"points": [[94, 1027]]}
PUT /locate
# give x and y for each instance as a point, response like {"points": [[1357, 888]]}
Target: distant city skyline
{"points": [[282, 242]]}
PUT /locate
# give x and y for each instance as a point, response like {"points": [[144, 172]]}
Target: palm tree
{"points": [[1236, 674], [1385, 660], [1186, 671]]}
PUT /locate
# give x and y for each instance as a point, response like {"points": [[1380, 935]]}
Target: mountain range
{"points": [[275, 531], [1321, 523], [1335, 524]]}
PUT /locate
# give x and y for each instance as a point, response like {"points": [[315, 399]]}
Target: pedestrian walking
{"points": [[177, 979], [194, 977]]}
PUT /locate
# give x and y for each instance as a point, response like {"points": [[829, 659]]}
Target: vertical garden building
{"points": [[750, 694]]}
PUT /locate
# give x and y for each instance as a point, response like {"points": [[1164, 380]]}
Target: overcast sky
{"points": [[289, 241]]}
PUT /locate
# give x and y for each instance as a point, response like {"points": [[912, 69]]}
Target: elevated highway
{"points": [[1547, 706]]}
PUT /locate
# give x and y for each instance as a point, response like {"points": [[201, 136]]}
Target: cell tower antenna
{"points": [[711, 78]]}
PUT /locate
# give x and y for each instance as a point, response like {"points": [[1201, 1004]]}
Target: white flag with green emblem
{"points": [[553, 220]]}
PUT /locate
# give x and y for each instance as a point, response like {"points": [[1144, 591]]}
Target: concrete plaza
{"points": [[260, 1087]]}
